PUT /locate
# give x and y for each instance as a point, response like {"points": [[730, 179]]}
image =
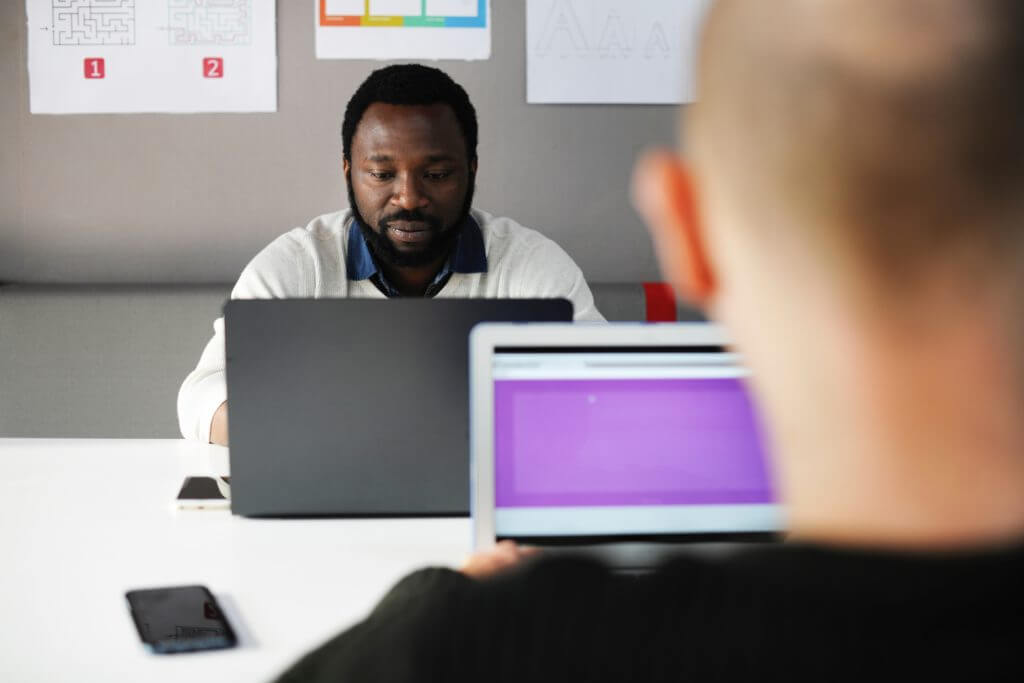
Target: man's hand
{"points": [[219, 425], [503, 556]]}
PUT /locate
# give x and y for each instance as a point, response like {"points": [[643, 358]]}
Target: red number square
{"points": [[213, 67], [95, 67]]}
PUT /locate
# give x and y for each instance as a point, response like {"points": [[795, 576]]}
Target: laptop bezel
{"points": [[487, 337]]}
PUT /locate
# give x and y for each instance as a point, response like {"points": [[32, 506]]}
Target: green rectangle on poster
{"points": [[428, 22]]}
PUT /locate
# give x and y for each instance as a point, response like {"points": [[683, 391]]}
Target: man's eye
{"points": [[381, 175], [438, 175]]}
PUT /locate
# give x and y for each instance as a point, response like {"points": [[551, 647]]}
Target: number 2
{"points": [[213, 67]]}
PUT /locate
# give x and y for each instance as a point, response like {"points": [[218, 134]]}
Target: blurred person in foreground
{"points": [[851, 208]]}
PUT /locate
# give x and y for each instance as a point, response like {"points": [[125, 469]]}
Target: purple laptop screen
{"points": [[627, 442]]}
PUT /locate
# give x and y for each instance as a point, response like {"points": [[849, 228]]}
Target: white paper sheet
{"points": [[128, 56], [403, 29], [612, 51]]}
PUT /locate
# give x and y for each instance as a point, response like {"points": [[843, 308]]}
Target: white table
{"points": [[84, 520]]}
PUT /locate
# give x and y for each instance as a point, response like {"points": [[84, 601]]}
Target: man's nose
{"points": [[408, 193]]}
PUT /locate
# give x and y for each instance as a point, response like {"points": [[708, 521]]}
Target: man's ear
{"points": [[665, 196], [345, 166]]}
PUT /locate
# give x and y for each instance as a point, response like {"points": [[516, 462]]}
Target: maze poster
{"points": [[402, 29], [129, 56]]}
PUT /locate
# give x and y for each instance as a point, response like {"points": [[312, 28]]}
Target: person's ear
{"points": [[665, 196], [345, 166], [473, 166]]}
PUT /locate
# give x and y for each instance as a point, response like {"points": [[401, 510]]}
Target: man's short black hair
{"points": [[410, 84]]}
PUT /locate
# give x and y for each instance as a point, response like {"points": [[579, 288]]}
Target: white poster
{"points": [[612, 51], [128, 56], [403, 29]]}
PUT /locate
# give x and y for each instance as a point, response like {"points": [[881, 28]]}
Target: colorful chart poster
{"points": [[403, 29], [612, 51], [130, 56]]}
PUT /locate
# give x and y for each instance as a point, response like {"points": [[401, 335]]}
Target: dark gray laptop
{"points": [[356, 407]]}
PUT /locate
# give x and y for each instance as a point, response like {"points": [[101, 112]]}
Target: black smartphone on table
{"points": [[180, 619], [204, 493]]}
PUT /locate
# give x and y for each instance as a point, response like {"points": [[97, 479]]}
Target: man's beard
{"points": [[442, 238]]}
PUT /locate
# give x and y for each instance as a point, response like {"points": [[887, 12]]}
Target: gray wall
{"points": [[190, 198], [99, 361]]}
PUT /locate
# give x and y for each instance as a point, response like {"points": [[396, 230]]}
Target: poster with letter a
{"points": [[403, 29], [612, 51], [134, 56]]}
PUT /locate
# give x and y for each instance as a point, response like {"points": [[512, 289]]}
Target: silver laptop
{"points": [[628, 440]]}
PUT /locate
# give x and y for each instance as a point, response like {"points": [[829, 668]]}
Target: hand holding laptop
{"points": [[503, 556]]}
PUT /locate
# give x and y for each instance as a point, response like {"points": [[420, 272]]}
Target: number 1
{"points": [[95, 67]]}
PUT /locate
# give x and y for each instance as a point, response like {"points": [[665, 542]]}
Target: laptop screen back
{"points": [[356, 407], [626, 442]]}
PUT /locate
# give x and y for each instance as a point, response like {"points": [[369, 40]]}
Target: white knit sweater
{"points": [[310, 263]]}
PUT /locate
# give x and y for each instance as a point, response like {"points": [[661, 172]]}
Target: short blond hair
{"points": [[894, 128]]}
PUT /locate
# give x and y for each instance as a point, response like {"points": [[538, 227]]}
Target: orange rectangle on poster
{"points": [[337, 19]]}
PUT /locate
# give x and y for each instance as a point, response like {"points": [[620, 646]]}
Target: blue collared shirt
{"points": [[467, 256]]}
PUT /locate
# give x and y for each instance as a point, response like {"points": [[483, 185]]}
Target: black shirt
{"points": [[788, 612]]}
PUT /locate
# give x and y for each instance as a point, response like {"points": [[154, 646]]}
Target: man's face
{"points": [[410, 182]]}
